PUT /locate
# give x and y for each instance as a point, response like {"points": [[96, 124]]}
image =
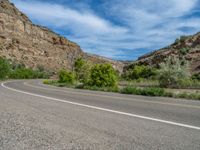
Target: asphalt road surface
{"points": [[42, 117]]}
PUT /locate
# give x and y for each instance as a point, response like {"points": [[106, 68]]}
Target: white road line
{"points": [[104, 109], [119, 98]]}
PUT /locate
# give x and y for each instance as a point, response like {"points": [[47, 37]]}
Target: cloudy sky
{"points": [[118, 29]]}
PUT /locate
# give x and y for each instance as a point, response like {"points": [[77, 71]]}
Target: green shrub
{"points": [[82, 70], [103, 75], [95, 88], [48, 81], [24, 73], [149, 91], [188, 84], [66, 77], [4, 68], [184, 51], [19, 71], [176, 41], [183, 38], [40, 68], [153, 91], [196, 76], [140, 72], [21, 74], [171, 71], [130, 90], [194, 96], [180, 39], [17, 66]]}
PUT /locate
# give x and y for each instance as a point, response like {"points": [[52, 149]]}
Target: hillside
{"points": [[186, 46], [33, 45]]}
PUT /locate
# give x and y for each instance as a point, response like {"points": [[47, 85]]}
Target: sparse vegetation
{"points": [[183, 38], [139, 72], [171, 72], [82, 70], [196, 76], [194, 96], [140, 80], [4, 68], [11, 70], [184, 51], [66, 77], [95, 88], [149, 91]]}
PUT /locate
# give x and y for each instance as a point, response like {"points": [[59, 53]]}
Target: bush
{"points": [[171, 72], [149, 91], [183, 38], [49, 81], [66, 77], [95, 88], [19, 71], [153, 91], [196, 76], [103, 75], [184, 51], [4, 68], [138, 72], [188, 84], [176, 41], [194, 96], [130, 90], [82, 70], [23, 74]]}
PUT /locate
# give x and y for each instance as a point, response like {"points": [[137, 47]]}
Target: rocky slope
{"points": [[23, 42], [185, 46]]}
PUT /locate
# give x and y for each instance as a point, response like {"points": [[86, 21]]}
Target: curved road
{"points": [[37, 116]]}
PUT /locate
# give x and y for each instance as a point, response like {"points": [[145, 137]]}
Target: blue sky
{"points": [[118, 29]]}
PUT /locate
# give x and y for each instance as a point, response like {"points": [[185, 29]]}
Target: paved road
{"points": [[37, 116]]}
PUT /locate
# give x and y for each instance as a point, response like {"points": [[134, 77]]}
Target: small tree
{"points": [[103, 75], [66, 77], [172, 71], [4, 68], [82, 70]]}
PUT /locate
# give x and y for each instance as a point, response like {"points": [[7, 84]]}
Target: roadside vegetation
{"points": [[167, 80], [170, 79], [12, 70]]}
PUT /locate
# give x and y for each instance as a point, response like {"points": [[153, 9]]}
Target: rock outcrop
{"points": [[33, 45], [187, 47]]}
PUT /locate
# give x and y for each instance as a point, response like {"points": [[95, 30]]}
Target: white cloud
{"points": [[145, 24], [65, 17]]}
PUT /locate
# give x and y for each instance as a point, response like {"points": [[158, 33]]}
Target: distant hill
{"points": [[33, 45], [186, 46]]}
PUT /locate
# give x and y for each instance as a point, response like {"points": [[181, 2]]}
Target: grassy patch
{"points": [[155, 91], [95, 88], [188, 84], [149, 91], [140, 83], [194, 96], [58, 84], [145, 91]]}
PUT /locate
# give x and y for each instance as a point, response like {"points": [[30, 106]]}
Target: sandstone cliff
{"points": [[186, 46], [32, 45]]}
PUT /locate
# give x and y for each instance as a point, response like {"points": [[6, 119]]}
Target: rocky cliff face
{"points": [[32, 45], [186, 46]]}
